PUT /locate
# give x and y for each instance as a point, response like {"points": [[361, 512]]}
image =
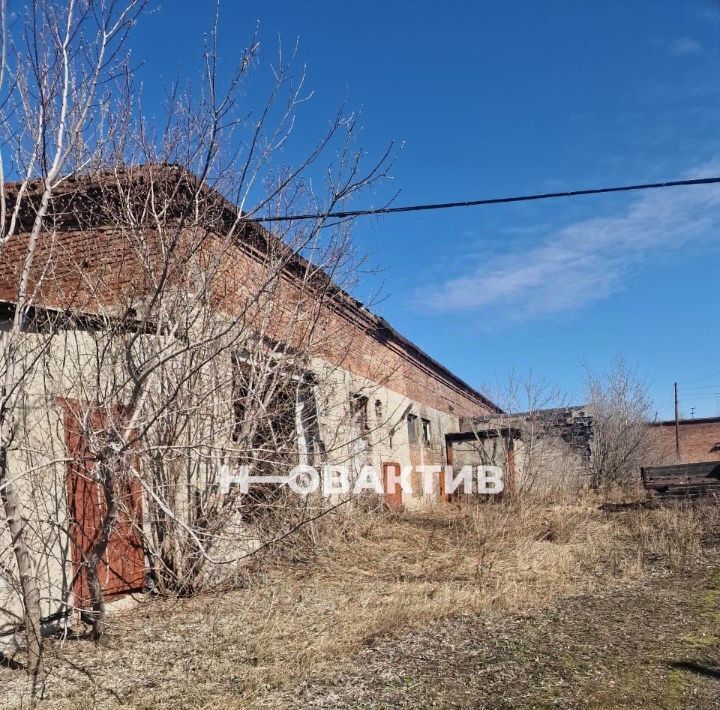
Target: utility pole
{"points": [[677, 425], [692, 412]]}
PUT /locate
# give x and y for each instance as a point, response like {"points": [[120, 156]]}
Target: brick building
{"points": [[379, 399], [699, 439]]}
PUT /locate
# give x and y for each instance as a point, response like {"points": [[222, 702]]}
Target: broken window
{"points": [[426, 432], [359, 432], [275, 414], [310, 445], [379, 412], [358, 413], [275, 423], [412, 429]]}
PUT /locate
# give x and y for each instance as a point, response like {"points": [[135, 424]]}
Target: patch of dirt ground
{"points": [[652, 646], [501, 606]]}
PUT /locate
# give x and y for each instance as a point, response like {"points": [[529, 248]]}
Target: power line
{"points": [[701, 379], [491, 201]]}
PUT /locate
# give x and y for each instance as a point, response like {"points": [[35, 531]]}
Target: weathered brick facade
{"points": [[90, 269], [87, 262]]}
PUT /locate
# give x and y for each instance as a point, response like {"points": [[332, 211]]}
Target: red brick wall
{"points": [[84, 270], [699, 440]]}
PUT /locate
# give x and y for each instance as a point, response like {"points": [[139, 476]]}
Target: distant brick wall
{"points": [[699, 439]]}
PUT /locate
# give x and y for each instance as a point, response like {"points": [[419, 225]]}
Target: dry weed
{"points": [[307, 610]]}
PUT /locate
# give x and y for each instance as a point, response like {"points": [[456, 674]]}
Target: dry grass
{"points": [[368, 576]]}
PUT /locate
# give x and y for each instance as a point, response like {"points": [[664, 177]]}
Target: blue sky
{"points": [[511, 97]]}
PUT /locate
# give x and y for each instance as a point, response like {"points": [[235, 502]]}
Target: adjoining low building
{"points": [[553, 448], [375, 397], [541, 450]]}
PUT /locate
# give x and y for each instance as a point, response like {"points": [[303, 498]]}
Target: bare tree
{"points": [[186, 339], [622, 440], [55, 59]]}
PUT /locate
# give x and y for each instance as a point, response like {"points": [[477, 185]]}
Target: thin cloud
{"points": [[685, 45], [585, 261]]}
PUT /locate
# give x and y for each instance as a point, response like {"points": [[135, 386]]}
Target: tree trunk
{"points": [[96, 617], [28, 582]]}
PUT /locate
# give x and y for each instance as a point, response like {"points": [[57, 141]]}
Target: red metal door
{"points": [[393, 491], [122, 568]]}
